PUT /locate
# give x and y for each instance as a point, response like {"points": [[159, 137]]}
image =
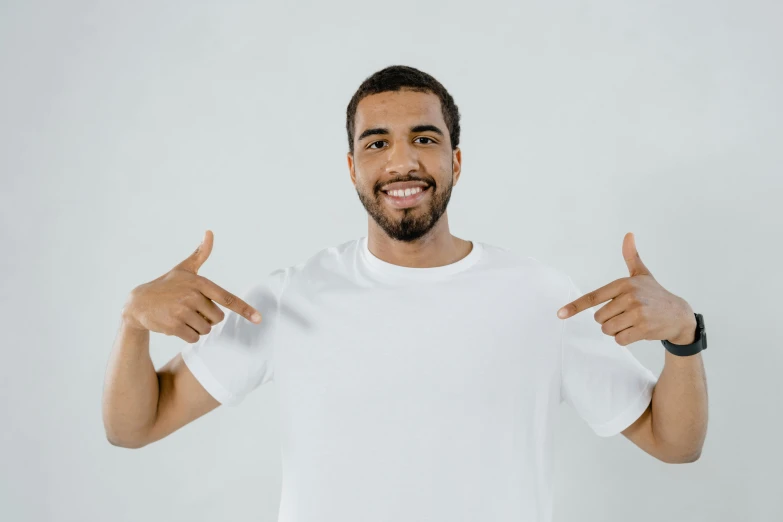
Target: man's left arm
{"points": [[674, 426]]}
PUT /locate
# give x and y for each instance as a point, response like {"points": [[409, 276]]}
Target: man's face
{"points": [[397, 147]]}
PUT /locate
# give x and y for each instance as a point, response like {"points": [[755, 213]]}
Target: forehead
{"points": [[404, 107]]}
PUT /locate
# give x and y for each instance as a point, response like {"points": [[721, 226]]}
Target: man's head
{"points": [[403, 133]]}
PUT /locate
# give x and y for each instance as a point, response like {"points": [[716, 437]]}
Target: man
{"points": [[419, 373]]}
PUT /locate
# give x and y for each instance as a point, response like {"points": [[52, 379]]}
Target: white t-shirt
{"points": [[420, 394]]}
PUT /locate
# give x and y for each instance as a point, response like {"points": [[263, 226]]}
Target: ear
{"points": [[351, 169], [456, 165]]}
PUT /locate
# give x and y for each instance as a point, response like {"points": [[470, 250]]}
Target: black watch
{"points": [[699, 344]]}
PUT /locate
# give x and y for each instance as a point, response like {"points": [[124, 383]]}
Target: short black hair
{"points": [[398, 77]]}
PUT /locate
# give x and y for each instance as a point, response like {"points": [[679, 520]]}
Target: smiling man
{"points": [[419, 374]]}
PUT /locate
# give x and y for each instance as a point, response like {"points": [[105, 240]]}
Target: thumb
{"points": [[632, 258], [193, 262]]}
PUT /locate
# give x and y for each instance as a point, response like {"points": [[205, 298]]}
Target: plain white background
{"points": [[129, 128]]}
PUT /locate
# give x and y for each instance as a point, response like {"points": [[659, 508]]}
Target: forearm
{"points": [[130, 393], [679, 408]]}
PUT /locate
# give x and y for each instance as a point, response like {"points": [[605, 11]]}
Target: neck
{"points": [[436, 248]]}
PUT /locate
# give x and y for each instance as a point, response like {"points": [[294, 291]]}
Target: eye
{"points": [[370, 146]]}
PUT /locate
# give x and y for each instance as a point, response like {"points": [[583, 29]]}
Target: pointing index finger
{"points": [[229, 300], [591, 299]]}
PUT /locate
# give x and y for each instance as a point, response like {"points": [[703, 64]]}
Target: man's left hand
{"points": [[639, 308]]}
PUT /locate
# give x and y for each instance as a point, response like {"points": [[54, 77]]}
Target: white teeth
{"points": [[405, 193]]}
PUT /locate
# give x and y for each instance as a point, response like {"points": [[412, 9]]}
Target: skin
{"points": [[674, 426], [142, 405], [419, 236]]}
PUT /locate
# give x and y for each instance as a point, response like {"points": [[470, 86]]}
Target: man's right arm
{"points": [[141, 405]]}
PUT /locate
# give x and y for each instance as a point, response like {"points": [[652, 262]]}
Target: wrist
{"points": [[686, 338], [129, 324], [687, 333], [128, 321], [688, 343]]}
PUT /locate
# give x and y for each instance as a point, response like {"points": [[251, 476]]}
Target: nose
{"points": [[402, 159]]}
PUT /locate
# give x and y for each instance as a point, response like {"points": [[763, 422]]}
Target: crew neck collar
{"points": [[396, 273]]}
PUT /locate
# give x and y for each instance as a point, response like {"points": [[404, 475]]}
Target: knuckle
{"points": [[179, 326], [229, 299], [194, 293]]}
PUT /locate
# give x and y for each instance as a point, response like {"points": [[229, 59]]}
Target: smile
{"points": [[405, 198]]}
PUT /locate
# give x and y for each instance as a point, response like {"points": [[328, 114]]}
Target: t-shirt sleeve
{"points": [[606, 385], [237, 355]]}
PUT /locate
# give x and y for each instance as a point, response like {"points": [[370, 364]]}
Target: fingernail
{"points": [[256, 317], [562, 313]]}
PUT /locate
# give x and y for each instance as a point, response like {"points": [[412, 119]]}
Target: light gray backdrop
{"points": [[129, 128]]}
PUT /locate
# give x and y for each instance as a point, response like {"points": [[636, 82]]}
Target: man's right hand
{"points": [[181, 302]]}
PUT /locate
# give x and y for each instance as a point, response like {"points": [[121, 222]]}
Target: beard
{"points": [[407, 224]]}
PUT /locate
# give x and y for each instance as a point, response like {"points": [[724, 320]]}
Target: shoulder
{"points": [[321, 268], [329, 259], [535, 272], [267, 289]]}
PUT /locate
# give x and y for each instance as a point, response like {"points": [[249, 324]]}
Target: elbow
{"points": [[122, 444], [680, 458], [693, 457], [123, 441], [120, 436]]}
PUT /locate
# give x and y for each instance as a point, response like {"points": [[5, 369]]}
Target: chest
{"points": [[434, 343]]}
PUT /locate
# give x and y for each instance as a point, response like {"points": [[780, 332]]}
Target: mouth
{"points": [[399, 199]]}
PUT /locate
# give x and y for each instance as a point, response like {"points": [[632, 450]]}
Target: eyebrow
{"points": [[383, 131]]}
